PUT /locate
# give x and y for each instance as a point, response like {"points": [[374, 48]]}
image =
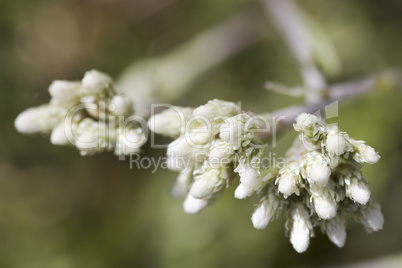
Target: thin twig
{"points": [[287, 17], [339, 92]]}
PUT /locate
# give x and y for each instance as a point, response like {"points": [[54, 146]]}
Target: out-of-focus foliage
{"points": [[61, 210]]}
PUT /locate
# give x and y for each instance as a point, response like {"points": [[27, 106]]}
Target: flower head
{"points": [[82, 114]]}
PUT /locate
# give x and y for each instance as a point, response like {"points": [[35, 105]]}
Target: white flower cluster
{"points": [[320, 184], [211, 141], [89, 115]]}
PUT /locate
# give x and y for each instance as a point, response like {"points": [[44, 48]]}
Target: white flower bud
{"points": [[129, 140], [311, 131], [219, 153], [120, 105], [304, 120], [183, 151], [366, 153], [336, 142], [40, 119], [243, 192], [357, 190], [266, 211], [301, 228], [216, 110], [287, 185], [96, 82], [171, 122], [198, 138], [319, 173], [64, 90], [207, 184], [371, 216], [193, 205], [58, 136], [220, 150], [288, 180], [90, 137], [317, 168], [324, 202], [27, 122], [335, 230], [236, 130], [260, 217], [249, 177], [325, 207]]}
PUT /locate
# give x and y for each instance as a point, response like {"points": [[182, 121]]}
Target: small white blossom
{"points": [[193, 205], [238, 130], [64, 91], [267, 210], [207, 183], [220, 150], [59, 135], [215, 111], [171, 122], [129, 140], [121, 106], [288, 180], [199, 138], [304, 120], [365, 153], [301, 228], [95, 82], [337, 142], [258, 184], [311, 131], [181, 153], [40, 119], [371, 217], [249, 177], [249, 168], [357, 190], [90, 137], [324, 202], [316, 168], [336, 230], [243, 192], [355, 185]]}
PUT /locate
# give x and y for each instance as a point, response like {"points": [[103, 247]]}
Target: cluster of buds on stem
{"points": [[212, 142], [320, 184], [88, 114]]}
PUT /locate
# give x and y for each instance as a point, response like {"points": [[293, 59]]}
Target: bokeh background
{"points": [[61, 210]]}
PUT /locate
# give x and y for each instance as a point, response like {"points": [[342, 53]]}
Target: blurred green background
{"points": [[61, 210]]}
